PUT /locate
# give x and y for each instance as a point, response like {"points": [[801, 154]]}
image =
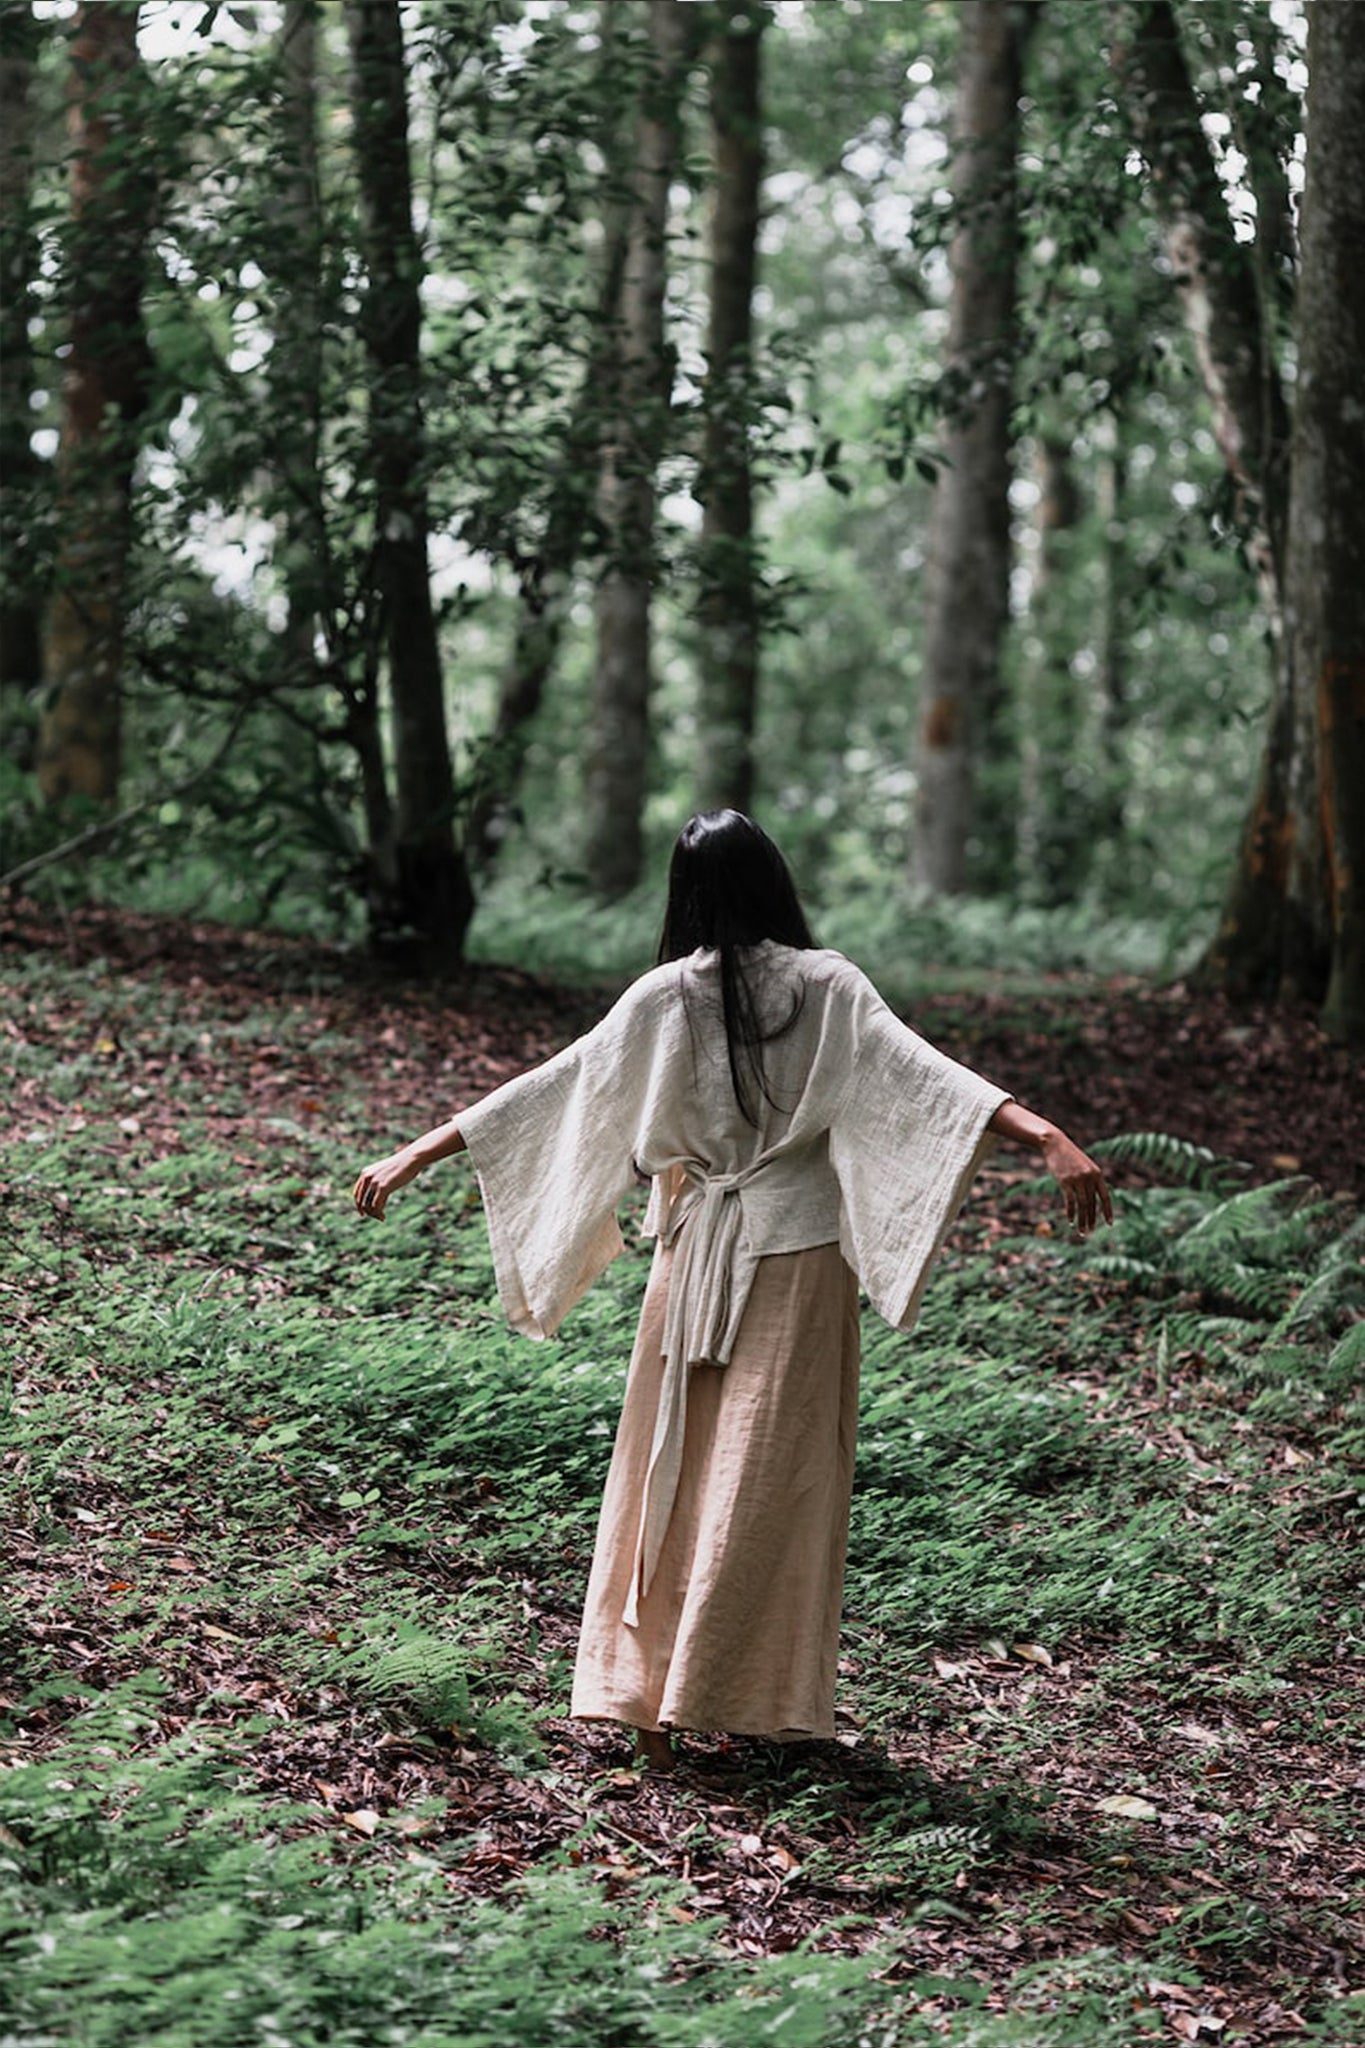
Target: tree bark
{"points": [[641, 387], [1327, 527], [968, 567], [1271, 913], [1050, 834], [105, 392], [434, 901], [728, 610], [296, 358], [1114, 626], [20, 592], [547, 582]]}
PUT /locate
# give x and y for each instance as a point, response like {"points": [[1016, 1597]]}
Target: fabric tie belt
{"points": [[700, 1322]]}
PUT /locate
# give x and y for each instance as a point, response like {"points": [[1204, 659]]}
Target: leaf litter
{"points": [[1029, 1799]]}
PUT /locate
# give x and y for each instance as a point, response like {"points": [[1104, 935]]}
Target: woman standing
{"points": [[800, 1140]]}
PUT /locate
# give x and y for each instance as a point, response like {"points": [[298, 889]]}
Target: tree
{"points": [[1272, 924], [967, 575], [729, 608], [1049, 841], [20, 593], [639, 389], [296, 358], [1326, 560], [431, 893], [105, 392]]}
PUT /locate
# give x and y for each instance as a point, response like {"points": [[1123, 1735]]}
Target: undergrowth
{"points": [[279, 1488]]}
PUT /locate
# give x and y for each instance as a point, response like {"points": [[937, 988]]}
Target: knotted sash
{"points": [[703, 1227]]}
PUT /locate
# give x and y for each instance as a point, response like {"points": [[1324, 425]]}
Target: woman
{"points": [[799, 1140]]}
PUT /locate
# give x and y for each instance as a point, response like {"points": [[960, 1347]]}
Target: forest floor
{"points": [[278, 1496]]}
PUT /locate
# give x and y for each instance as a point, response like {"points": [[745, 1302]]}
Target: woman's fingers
{"points": [[369, 1195], [1087, 1199]]}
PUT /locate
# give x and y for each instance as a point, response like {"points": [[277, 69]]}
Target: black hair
{"points": [[728, 888]]}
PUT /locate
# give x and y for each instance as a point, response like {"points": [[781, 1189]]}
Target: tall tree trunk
{"points": [[728, 609], [1114, 626], [20, 594], [104, 394], [434, 900], [1050, 834], [1266, 918], [968, 568], [296, 358], [547, 581], [618, 741], [1327, 525]]}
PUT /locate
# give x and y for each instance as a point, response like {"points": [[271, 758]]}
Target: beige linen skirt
{"points": [[740, 1627]]}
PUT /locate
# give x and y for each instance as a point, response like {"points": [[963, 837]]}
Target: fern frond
{"points": [[1178, 1158], [1254, 1208], [426, 1676]]}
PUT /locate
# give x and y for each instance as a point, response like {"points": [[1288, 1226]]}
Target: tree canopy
{"points": [[448, 441]]}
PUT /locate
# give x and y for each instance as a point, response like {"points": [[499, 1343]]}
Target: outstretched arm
{"points": [[1082, 1183], [386, 1176]]}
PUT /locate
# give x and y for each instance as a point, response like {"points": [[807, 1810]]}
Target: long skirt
{"points": [[740, 1627]]}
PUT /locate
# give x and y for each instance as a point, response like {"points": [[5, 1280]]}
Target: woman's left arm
{"points": [[386, 1176], [1083, 1186]]}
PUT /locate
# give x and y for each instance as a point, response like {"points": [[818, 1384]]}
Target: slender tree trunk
{"points": [[434, 898], [1266, 919], [728, 610], [967, 574], [296, 358], [105, 391], [1327, 527], [618, 742], [1050, 833], [547, 584], [1111, 667], [20, 593]]}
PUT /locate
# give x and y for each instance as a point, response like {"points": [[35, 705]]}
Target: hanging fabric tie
{"points": [[703, 1227]]}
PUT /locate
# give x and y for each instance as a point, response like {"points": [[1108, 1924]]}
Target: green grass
{"points": [[287, 1505]]}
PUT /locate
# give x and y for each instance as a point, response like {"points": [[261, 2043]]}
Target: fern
{"points": [[424, 1676], [1178, 1159]]}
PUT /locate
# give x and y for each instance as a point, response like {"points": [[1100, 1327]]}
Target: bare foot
{"points": [[656, 1747]]}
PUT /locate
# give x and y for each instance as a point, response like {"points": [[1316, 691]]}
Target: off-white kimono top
{"points": [[870, 1140]]}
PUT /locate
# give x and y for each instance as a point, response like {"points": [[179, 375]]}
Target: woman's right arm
{"points": [[386, 1176]]}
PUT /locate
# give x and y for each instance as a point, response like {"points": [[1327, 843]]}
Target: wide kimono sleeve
{"points": [[554, 1154], [905, 1143]]}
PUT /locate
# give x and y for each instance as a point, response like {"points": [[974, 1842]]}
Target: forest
{"points": [[445, 444]]}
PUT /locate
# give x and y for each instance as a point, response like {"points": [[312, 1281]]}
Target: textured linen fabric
{"points": [[866, 1139], [740, 1627]]}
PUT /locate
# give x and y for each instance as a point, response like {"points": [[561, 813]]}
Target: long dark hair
{"points": [[728, 888]]}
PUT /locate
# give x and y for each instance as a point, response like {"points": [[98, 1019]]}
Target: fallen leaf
{"points": [[944, 1669], [1159, 1988], [364, 1820], [1033, 1653], [750, 1845], [1128, 1806]]}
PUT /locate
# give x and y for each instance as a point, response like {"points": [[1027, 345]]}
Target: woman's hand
{"points": [[1083, 1185], [383, 1179]]}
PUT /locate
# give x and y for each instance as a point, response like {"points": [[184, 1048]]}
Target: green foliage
{"points": [[240, 1428], [153, 1899]]}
